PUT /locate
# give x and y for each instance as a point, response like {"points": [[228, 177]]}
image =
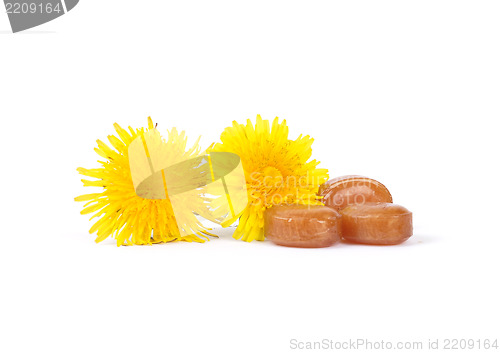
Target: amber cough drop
{"points": [[302, 226], [348, 190], [376, 223]]}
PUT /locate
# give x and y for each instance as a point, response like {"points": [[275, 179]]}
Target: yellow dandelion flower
{"points": [[277, 170], [124, 215]]}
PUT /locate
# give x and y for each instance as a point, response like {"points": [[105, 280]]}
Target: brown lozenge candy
{"points": [[302, 226], [376, 223], [353, 190]]}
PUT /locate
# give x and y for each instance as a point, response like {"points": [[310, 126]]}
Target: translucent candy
{"points": [[376, 223], [302, 226], [353, 190]]}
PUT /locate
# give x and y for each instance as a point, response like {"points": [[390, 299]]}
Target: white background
{"points": [[406, 92]]}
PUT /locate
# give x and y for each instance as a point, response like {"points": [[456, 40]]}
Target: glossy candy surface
{"points": [[302, 226], [353, 190], [376, 223]]}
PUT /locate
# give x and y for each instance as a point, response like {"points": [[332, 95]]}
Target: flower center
{"points": [[272, 178]]}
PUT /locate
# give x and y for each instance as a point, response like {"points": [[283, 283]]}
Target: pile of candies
{"points": [[357, 209]]}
